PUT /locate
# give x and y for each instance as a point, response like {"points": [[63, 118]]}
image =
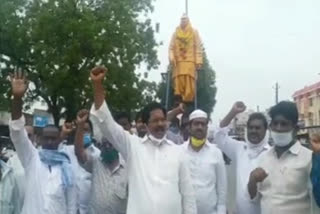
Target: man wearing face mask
{"points": [[109, 175], [159, 177], [48, 172], [282, 181], [207, 167], [244, 154], [83, 178]]}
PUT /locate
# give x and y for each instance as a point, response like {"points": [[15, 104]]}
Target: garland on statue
{"points": [[184, 37]]}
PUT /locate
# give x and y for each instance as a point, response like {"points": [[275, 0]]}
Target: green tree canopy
{"points": [[58, 42]]}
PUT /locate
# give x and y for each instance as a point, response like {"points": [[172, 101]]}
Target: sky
{"points": [[251, 44]]}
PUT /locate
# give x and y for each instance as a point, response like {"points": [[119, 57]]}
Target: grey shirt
{"points": [[109, 188]]}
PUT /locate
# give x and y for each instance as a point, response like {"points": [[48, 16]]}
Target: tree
{"points": [[206, 89], [58, 42]]}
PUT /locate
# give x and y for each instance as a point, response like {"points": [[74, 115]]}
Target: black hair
{"points": [[286, 109], [138, 116], [122, 115], [258, 116], [146, 112]]}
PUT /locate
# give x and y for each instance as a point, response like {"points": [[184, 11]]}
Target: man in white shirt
{"points": [[83, 177], [282, 180], [10, 202], [109, 175], [159, 177], [244, 155], [17, 167], [49, 175], [207, 167]]}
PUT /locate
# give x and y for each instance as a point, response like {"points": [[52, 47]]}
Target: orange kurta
{"points": [[185, 55]]}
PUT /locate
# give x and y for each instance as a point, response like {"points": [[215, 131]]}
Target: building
{"points": [[308, 103]]}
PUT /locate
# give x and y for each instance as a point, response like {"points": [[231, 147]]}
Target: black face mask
{"points": [[109, 156]]}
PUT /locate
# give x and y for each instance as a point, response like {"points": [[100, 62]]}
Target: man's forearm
{"points": [[252, 188], [99, 94], [227, 120], [16, 108], [79, 147]]}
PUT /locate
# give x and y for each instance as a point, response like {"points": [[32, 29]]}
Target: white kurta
{"points": [[208, 175], [238, 152], [159, 177], [44, 192]]}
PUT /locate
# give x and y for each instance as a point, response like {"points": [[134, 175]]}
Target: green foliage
{"points": [[206, 89], [58, 42]]}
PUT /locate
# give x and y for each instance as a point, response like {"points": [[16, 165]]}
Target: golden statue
{"points": [[186, 57]]}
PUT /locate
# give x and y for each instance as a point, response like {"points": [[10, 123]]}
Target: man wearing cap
{"points": [[207, 167]]}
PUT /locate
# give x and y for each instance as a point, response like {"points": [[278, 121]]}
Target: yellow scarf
{"points": [[196, 142], [185, 36]]}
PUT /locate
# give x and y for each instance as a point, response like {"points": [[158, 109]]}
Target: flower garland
{"points": [[184, 38]]}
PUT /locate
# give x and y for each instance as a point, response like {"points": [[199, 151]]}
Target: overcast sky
{"points": [[251, 44]]}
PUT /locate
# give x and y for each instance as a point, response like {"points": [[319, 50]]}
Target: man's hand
{"points": [[67, 128], [97, 74], [82, 117], [238, 108], [258, 175], [180, 108], [19, 84]]}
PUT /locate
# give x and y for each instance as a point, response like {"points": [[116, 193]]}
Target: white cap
{"points": [[196, 114]]}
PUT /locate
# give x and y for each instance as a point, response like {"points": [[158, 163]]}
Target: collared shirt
{"points": [[109, 188], [237, 151], [9, 193], [159, 177], [315, 177], [44, 192], [287, 189], [83, 177], [208, 174]]}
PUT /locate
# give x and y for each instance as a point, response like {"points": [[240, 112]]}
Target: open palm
{"points": [[19, 84]]}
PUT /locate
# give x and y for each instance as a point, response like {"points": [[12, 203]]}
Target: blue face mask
{"points": [[87, 140]]}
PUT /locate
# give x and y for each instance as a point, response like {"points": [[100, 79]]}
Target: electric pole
{"points": [[276, 88], [187, 7]]}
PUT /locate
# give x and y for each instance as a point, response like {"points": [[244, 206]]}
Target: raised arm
{"points": [[80, 151], [228, 145], [101, 116], [174, 112], [18, 134]]}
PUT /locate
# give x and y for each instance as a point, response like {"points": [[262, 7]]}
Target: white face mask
{"points": [[282, 139], [155, 140]]}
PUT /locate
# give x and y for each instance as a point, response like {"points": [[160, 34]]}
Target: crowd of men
{"points": [[169, 165]]}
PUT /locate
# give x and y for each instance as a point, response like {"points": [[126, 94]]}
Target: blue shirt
{"points": [[315, 177]]}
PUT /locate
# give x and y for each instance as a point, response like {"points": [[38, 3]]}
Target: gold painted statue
{"points": [[186, 57]]}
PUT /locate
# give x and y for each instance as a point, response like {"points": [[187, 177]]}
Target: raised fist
{"points": [[82, 116], [19, 84], [258, 175], [98, 73], [238, 108], [67, 128]]}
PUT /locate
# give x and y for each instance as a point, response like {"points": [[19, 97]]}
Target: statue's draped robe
{"points": [[185, 54]]}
